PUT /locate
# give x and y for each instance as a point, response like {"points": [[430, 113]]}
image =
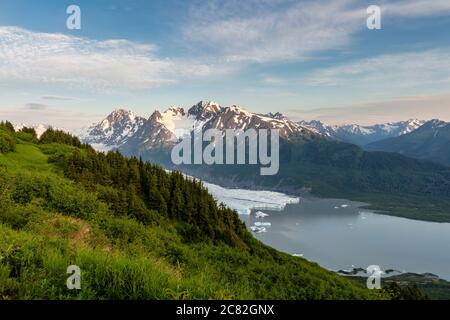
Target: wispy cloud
{"points": [[271, 80], [397, 109], [57, 98], [416, 8], [261, 33], [267, 31], [57, 116], [415, 69], [29, 57], [35, 106]]}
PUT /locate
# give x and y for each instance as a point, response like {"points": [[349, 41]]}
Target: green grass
{"points": [[27, 157]]}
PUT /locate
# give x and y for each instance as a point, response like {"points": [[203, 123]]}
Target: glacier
{"points": [[243, 201]]}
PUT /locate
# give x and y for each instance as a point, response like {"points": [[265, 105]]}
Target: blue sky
{"points": [[308, 59]]}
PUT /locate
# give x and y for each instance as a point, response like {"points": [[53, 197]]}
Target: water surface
{"points": [[338, 234]]}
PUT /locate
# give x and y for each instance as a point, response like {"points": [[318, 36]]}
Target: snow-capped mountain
{"points": [[429, 142], [235, 117], [163, 129], [39, 128], [113, 131], [276, 115], [124, 130], [362, 135]]}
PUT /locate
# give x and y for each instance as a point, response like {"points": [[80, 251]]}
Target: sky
{"points": [[307, 59]]}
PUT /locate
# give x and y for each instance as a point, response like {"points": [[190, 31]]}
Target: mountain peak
{"points": [[436, 123], [205, 109], [156, 116], [276, 115], [363, 134], [175, 110], [112, 131], [238, 109], [122, 112]]}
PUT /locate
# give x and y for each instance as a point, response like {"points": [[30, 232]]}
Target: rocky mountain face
{"points": [[135, 135], [124, 130], [112, 132]]}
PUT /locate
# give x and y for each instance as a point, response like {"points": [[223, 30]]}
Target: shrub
{"points": [[7, 142]]}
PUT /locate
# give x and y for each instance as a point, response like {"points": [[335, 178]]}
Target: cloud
{"points": [[262, 32], [403, 70], [35, 106], [402, 108], [56, 116], [271, 80], [28, 57], [57, 98], [284, 30], [417, 8]]}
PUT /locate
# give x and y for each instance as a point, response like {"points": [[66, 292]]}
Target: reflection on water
{"points": [[338, 234]]}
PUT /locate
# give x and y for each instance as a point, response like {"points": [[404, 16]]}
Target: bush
{"points": [[59, 195], [18, 217], [7, 142], [58, 136], [7, 126], [26, 136]]}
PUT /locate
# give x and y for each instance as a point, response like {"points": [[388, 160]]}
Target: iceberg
{"points": [[258, 229], [263, 224], [260, 215]]}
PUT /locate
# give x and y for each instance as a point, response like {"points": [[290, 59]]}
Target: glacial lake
{"points": [[339, 234]]}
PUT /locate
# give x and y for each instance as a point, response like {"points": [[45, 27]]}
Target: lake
{"points": [[339, 234]]}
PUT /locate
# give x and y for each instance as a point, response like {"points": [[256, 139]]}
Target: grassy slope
{"points": [[123, 259]]}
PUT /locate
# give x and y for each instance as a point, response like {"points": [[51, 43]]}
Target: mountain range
{"points": [[133, 134], [122, 128], [313, 157], [429, 142], [363, 135], [125, 131]]}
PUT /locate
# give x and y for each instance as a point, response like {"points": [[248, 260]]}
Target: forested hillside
{"points": [[431, 142], [389, 182], [136, 232]]}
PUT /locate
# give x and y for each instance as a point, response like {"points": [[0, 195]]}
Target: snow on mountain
{"points": [[363, 135], [205, 110], [123, 129], [127, 131], [235, 117], [113, 131], [39, 128], [275, 115], [436, 124], [430, 142]]}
